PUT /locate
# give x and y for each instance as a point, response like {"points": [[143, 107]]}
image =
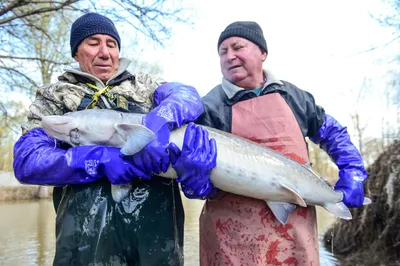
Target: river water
{"points": [[27, 232]]}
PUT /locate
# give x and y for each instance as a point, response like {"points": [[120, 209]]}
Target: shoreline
{"points": [[24, 192], [11, 189]]}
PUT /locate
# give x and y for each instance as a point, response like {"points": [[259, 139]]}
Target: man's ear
{"points": [[76, 58], [263, 55]]}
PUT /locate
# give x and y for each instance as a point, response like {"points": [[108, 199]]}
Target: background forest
{"points": [[34, 48]]}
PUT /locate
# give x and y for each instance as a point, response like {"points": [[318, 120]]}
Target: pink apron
{"points": [[237, 230]]}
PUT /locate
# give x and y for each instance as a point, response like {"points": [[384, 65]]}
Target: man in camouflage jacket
{"points": [[146, 228]]}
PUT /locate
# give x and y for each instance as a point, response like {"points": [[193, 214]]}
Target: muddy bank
{"points": [[11, 189], [373, 236], [24, 192]]}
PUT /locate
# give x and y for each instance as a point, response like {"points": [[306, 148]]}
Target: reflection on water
{"points": [[27, 232], [191, 245]]}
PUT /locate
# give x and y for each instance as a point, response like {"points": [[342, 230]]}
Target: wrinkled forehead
{"points": [[101, 37], [234, 40]]}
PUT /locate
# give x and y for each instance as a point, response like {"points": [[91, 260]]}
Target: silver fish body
{"points": [[243, 167]]}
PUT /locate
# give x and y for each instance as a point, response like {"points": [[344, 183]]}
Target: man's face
{"points": [[98, 55], [241, 62]]}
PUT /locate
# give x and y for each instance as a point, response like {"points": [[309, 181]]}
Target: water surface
{"points": [[27, 232]]}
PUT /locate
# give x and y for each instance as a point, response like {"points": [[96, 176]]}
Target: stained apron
{"points": [[238, 230]]}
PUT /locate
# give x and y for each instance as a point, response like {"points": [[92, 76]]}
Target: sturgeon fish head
{"points": [[82, 128], [60, 127]]}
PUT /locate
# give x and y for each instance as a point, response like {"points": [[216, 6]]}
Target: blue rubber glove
{"points": [[335, 141], [39, 159], [153, 158], [113, 165], [195, 162], [176, 104]]}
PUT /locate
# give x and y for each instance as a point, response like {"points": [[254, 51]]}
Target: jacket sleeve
{"points": [[309, 115], [39, 159], [217, 113]]}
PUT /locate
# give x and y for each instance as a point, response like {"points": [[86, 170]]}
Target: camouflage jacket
{"points": [[67, 94]]}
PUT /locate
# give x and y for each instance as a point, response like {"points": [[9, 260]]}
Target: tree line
{"points": [[34, 44]]}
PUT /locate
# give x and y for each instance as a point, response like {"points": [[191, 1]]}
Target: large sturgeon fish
{"points": [[243, 167]]}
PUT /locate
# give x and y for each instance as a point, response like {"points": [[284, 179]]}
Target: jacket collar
{"points": [[231, 89], [123, 65]]}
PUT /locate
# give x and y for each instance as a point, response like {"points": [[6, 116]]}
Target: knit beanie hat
{"points": [[91, 24], [249, 30]]}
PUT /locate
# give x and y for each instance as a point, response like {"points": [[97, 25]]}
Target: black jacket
{"points": [[218, 107]]}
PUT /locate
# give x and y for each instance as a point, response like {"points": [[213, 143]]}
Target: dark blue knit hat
{"points": [[91, 24], [249, 30]]}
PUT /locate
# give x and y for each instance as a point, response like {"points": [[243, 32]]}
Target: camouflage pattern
{"points": [[146, 228], [66, 94]]}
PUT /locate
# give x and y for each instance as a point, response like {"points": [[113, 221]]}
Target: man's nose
{"points": [[230, 54], [103, 51]]}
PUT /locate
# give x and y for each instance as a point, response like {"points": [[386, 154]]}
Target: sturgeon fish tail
{"points": [[367, 201], [338, 209]]}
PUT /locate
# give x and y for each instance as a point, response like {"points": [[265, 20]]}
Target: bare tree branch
{"points": [[37, 11], [20, 73], [11, 6], [29, 33], [32, 59]]}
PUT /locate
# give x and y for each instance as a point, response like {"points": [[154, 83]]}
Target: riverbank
{"points": [[12, 190], [24, 192], [372, 237]]}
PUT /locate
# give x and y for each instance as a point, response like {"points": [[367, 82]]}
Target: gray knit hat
{"points": [[91, 24], [249, 30]]}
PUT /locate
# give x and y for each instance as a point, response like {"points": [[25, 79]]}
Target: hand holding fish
{"points": [[120, 169], [243, 167], [195, 162]]}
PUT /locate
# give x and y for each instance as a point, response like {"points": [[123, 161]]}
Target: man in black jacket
{"points": [[252, 103]]}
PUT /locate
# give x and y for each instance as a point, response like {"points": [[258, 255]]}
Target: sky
{"points": [[316, 45]]}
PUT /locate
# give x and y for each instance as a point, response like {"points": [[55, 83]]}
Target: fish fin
{"points": [[339, 209], [120, 192], [367, 201], [309, 167], [281, 210], [137, 137], [299, 199]]}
